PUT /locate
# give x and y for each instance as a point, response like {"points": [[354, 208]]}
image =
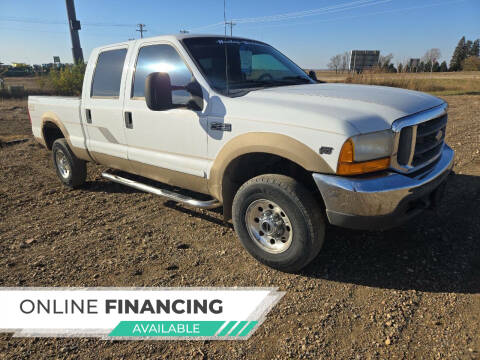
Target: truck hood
{"points": [[341, 108]]}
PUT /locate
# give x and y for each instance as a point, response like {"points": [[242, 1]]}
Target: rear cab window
{"points": [[108, 74]]}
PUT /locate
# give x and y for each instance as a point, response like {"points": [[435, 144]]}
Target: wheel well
{"points": [[248, 166], [51, 132]]}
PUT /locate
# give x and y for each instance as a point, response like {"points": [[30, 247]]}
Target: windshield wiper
{"points": [[287, 80], [297, 78], [253, 85]]}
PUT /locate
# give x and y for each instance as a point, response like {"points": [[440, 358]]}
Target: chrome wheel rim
{"points": [[62, 164], [269, 226]]}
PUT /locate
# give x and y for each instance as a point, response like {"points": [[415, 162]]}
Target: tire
{"points": [[280, 207], [70, 170]]}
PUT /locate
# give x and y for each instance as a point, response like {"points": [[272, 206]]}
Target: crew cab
{"points": [[238, 123]]}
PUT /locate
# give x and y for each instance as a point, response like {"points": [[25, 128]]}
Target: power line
{"points": [[358, 15], [55, 22], [324, 10], [208, 26], [300, 14], [32, 30], [141, 29], [232, 24]]}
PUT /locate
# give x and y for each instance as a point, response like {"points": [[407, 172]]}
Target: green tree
{"points": [[443, 67], [468, 47], [475, 49], [391, 68], [427, 67], [436, 67], [459, 55], [430, 57], [472, 63], [69, 80]]}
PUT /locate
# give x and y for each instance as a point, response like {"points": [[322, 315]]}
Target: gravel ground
{"points": [[412, 292]]}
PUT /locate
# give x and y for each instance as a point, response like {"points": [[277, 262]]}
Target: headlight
{"points": [[366, 153], [372, 146]]}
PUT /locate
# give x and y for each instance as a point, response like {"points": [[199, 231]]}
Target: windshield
{"points": [[251, 64]]}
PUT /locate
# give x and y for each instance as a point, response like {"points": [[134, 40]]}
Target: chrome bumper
{"points": [[382, 201]]}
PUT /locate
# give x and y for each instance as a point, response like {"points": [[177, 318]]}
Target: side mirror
{"points": [[158, 92], [313, 75]]}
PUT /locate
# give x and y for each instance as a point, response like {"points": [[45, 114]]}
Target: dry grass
{"points": [[30, 83], [457, 83], [435, 85], [34, 85], [450, 83]]}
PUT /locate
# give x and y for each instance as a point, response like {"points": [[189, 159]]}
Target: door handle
{"points": [[88, 114], [128, 120]]}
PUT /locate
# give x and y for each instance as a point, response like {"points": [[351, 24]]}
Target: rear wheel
{"points": [[71, 170], [278, 222]]}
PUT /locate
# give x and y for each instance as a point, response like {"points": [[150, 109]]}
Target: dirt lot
{"points": [[413, 292]]}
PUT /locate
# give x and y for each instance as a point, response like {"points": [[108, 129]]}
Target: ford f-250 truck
{"points": [[236, 120]]}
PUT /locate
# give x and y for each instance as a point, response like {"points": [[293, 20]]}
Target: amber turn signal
{"points": [[347, 165]]}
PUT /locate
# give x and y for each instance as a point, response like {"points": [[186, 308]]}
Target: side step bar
{"points": [[202, 204]]}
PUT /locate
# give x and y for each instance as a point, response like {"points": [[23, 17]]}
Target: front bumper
{"points": [[383, 201]]}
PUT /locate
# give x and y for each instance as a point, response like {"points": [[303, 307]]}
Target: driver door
{"points": [[163, 145]]}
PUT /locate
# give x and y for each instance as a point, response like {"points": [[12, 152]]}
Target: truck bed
{"points": [[59, 110]]}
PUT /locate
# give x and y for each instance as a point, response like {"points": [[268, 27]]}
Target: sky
{"points": [[309, 32]]}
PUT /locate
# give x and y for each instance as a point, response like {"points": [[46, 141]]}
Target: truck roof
{"points": [[170, 37]]}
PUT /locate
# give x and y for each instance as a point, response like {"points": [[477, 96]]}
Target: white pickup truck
{"points": [[240, 124]]}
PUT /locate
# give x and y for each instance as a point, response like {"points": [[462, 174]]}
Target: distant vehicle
{"points": [[281, 153]]}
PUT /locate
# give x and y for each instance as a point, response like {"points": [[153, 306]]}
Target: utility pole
{"points": [[74, 25], [232, 24], [141, 29]]}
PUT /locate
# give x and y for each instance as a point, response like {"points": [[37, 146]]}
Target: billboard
{"points": [[414, 63], [56, 59], [361, 60]]}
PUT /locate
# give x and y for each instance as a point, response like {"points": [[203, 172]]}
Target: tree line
{"points": [[465, 57]]}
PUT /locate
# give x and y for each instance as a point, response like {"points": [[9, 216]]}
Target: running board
{"points": [[202, 204]]}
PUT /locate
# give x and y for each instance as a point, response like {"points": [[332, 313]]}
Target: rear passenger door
{"points": [[102, 106]]}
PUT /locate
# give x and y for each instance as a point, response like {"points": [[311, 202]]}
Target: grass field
{"points": [[30, 83], [450, 83]]}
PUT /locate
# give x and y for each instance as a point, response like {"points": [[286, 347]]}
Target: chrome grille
{"points": [[419, 139]]}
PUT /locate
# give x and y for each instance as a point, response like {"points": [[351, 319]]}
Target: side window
{"points": [[161, 58], [108, 73]]}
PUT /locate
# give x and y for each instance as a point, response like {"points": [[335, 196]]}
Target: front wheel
{"points": [[278, 222]]}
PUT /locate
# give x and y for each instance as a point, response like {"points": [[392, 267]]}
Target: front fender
{"points": [[261, 142]]}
